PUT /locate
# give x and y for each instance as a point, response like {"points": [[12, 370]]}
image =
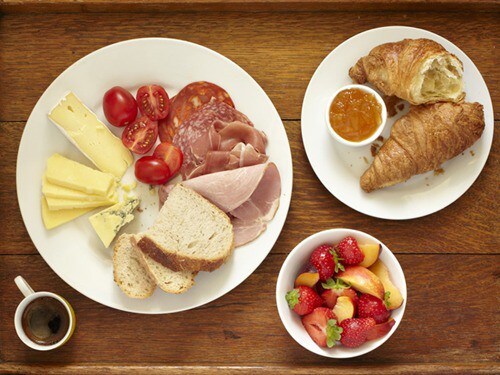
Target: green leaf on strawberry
{"points": [[336, 259], [292, 297], [333, 332], [336, 284]]}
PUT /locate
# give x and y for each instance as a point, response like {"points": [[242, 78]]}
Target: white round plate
{"points": [[339, 167], [73, 250]]}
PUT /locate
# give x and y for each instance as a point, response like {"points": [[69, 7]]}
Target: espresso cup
{"points": [[26, 329]]}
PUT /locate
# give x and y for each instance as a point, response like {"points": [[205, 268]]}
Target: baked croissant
{"points": [[417, 70], [422, 140]]}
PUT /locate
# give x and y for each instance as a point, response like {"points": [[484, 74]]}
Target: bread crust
{"points": [[176, 262]]}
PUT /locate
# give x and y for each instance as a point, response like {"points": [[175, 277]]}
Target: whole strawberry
{"points": [[303, 300], [349, 251], [372, 307], [322, 327], [325, 260], [355, 331]]}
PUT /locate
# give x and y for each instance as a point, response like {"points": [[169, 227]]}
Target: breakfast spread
{"points": [[439, 125], [355, 114], [228, 194], [345, 294]]}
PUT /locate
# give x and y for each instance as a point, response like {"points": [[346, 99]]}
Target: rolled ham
{"points": [[249, 195]]}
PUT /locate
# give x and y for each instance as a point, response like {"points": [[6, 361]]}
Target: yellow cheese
{"points": [[52, 219], [91, 136], [68, 173], [68, 204], [61, 192], [129, 187], [108, 222]]}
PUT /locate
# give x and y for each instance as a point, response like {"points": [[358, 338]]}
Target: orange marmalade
{"points": [[355, 114]]}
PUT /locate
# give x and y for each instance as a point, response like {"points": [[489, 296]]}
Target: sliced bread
{"points": [[168, 280], [128, 270], [189, 234]]}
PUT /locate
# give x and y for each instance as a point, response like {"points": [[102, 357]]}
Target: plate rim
{"points": [[285, 196], [401, 215]]}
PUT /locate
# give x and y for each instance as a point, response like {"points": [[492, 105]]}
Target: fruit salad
{"points": [[345, 294]]}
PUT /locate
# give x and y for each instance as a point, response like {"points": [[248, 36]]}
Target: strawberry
{"points": [[325, 260], [322, 327], [355, 331], [349, 251], [336, 288], [380, 330], [303, 300], [372, 307]]}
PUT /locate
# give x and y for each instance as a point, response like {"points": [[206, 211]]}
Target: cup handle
{"points": [[23, 286]]}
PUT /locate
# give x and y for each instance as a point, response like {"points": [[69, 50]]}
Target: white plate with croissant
{"points": [[433, 148]]}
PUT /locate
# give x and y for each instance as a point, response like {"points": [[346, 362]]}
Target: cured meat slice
{"points": [[186, 102], [249, 195], [214, 127]]}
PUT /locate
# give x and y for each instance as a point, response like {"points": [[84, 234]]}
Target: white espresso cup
{"points": [[29, 296]]}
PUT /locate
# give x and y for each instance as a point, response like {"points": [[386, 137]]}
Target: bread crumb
{"points": [[366, 160], [438, 171], [393, 105], [139, 209], [472, 153]]}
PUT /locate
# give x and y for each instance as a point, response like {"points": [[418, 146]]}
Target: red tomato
{"points": [[119, 106], [140, 136], [170, 155], [153, 102], [151, 170]]}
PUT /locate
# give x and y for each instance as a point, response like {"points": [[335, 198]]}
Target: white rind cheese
{"points": [[108, 222], [82, 127]]}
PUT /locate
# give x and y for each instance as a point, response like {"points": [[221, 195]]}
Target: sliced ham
{"points": [[217, 127], [249, 195]]}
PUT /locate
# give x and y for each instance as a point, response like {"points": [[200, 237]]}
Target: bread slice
{"points": [[189, 234], [128, 270], [169, 281]]}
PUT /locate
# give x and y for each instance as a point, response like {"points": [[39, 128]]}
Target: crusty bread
{"points": [[189, 234], [168, 280], [128, 270]]}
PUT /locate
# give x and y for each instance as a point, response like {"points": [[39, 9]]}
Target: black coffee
{"points": [[45, 321]]}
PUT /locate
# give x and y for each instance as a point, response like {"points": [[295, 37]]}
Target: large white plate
{"points": [[339, 167], [73, 250]]}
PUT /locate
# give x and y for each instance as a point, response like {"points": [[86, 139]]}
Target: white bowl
{"points": [[375, 135], [295, 262]]}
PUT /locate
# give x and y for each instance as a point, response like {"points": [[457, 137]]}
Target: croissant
{"points": [[422, 140], [417, 70]]}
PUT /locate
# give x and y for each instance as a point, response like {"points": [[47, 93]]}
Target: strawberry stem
{"points": [[333, 332]]}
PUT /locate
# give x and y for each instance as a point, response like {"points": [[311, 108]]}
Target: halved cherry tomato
{"points": [[119, 106], [153, 102], [151, 170], [140, 136], [170, 155]]}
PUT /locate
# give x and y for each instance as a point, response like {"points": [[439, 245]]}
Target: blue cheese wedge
{"points": [[108, 222], [82, 127]]}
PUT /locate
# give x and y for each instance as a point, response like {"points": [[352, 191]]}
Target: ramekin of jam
{"points": [[355, 115]]}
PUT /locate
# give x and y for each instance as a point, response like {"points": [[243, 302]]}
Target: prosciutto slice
{"points": [[218, 127], [249, 195]]}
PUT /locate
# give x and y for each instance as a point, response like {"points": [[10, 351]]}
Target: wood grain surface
{"points": [[450, 258]]}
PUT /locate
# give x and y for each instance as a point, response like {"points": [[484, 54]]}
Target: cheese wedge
{"points": [[108, 222], [82, 127], [68, 173], [61, 192], [52, 219], [56, 204]]}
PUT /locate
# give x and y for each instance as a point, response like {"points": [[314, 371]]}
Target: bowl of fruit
{"points": [[341, 293]]}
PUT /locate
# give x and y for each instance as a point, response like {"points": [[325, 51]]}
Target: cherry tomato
{"points": [[140, 136], [151, 170], [119, 106], [153, 102], [170, 155]]}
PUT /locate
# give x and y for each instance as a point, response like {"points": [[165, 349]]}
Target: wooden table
{"points": [[450, 258]]}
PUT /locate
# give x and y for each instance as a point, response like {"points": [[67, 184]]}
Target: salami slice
{"points": [[187, 101]]}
